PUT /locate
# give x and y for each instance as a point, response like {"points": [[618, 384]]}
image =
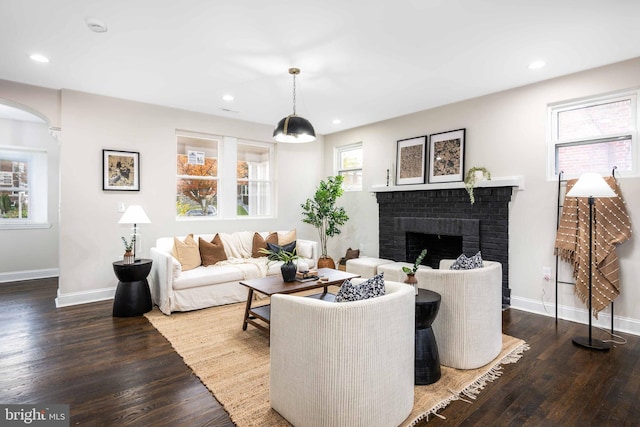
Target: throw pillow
{"points": [[464, 263], [304, 249], [370, 288], [289, 237], [290, 247], [259, 243], [213, 252], [186, 252], [351, 254]]}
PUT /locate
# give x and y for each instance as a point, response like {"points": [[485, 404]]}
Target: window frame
{"points": [[554, 142], [339, 170], [227, 179], [270, 181], [205, 137], [37, 187]]}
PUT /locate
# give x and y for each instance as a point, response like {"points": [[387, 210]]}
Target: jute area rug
{"points": [[234, 365]]}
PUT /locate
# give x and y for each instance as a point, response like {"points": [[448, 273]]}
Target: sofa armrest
{"points": [[315, 251], [164, 270]]}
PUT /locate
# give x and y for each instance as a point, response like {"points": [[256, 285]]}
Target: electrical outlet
{"points": [[121, 207], [546, 274]]}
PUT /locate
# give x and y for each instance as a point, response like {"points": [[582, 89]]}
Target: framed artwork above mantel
{"points": [[446, 156], [410, 160]]}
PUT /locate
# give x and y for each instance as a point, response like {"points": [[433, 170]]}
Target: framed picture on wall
{"points": [[120, 170], [446, 156], [410, 160]]}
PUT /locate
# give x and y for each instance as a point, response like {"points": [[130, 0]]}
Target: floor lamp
{"points": [[592, 186], [134, 215]]}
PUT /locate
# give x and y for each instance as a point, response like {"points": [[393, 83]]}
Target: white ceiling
{"points": [[362, 61]]}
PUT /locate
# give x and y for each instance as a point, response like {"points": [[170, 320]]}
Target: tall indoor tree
{"points": [[324, 215]]}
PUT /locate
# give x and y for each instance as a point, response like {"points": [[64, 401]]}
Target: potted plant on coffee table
{"points": [[324, 215], [288, 267]]}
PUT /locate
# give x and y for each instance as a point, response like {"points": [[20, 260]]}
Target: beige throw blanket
{"points": [[611, 226]]}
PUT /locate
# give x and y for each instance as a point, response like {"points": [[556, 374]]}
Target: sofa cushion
{"points": [[207, 276], [286, 238], [186, 252], [464, 263], [260, 242], [370, 288], [211, 252]]}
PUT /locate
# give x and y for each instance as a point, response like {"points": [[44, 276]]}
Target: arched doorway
{"points": [[29, 194]]}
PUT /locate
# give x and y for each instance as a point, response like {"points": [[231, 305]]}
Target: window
{"points": [[205, 187], [23, 174], [349, 161], [197, 169], [254, 178], [594, 135]]}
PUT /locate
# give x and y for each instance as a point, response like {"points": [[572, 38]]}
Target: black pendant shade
{"points": [[294, 129]]}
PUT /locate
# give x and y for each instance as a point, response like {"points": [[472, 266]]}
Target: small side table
{"points": [[133, 297], [427, 359]]}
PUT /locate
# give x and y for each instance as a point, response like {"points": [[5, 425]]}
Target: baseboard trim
{"points": [[578, 315], [18, 276], [85, 297]]}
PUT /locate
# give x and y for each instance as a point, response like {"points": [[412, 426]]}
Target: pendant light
{"points": [[293, 128]]}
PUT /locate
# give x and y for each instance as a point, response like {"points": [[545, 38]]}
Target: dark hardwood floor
{"points": [[121, 371]]}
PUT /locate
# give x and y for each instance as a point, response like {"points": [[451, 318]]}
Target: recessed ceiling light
{"points": [[537, 65], [39, 58], [228, 97], [336, 121], [96, 25]]}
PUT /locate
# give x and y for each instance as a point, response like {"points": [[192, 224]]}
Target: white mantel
{"points": [[503, 181]]}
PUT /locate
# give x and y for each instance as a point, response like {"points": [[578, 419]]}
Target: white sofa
{"points": [[343, 364], [468, 327], [175, 290]]}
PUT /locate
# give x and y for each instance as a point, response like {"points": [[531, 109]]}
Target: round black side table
{"points": [[427, 360], [133, 297]]}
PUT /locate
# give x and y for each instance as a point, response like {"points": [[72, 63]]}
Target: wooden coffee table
{"points": [[272, 285]]}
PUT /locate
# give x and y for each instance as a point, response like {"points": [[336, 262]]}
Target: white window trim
{"points": [[553, 142], [271, 180], [338, 163], [38, 188], [227, 179]]}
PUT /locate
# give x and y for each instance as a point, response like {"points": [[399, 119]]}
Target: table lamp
{"points": [[134, 215]]}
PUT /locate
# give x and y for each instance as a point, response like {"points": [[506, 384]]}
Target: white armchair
{"points": [[468, 328], [343, 364]]}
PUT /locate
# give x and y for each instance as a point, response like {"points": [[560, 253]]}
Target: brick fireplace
{"points": [[447, 224]]}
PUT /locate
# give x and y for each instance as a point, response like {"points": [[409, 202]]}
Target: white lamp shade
{"points": [[591, 185], [134, 215]]}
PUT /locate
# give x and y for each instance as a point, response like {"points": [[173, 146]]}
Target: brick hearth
{"points": [[483, 226]]}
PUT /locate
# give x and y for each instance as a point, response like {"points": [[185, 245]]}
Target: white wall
{"points": [[506, 132], [89, 236], [29, 253]]}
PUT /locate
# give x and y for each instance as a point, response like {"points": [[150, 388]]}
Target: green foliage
{"points": [[416, 264], [322, 212], [284, 256], [5, 203], [470, 180], [182, 208], [128, 245]]}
